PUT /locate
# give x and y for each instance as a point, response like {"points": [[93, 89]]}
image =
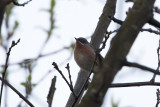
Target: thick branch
{"points": [[120, 47], [109, 10], [104, 22]]}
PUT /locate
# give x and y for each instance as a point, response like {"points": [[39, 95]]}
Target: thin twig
{"points": [[132, 64], [69, 74], [17, 92], [51, 92], [134, 84], [18, 4], [158, 54], [57, 68], [158, 97], [28, 60], [6, 66], [143, 29], [152, 21], [150, 31], [106, 36]]}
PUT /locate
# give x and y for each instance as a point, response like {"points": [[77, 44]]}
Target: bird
{"points": [[85, 54]]}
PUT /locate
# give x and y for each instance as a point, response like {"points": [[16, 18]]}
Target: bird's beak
{"points": [[75, 38]]}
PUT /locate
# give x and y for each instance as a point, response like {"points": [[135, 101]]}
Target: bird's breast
{"points": [[84, 57]]}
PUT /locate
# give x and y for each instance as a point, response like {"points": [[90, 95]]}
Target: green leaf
{"points": [[52, 4], [29, 78], [16, 24], [24, 84]]}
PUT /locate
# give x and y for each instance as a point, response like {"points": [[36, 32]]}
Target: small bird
{"points": [[84, 54]]}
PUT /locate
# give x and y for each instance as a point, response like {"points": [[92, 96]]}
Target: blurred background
{"points": [[47, 30]]}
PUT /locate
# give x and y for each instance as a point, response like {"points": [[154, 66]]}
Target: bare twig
{"points": [[143, 29], [150, 31], [16, 91], [106, 36], [57, 68], [132, 64], [134, 84], [158, 97], [6, 66], [28, 60], [70, 79], [152, 21], [51, 92], [158, 54], [18, 4]]}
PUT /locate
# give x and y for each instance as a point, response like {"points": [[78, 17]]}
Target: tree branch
{"points": [[158, 54], [120, 47], [69, 74], [6, 66], [69, 85], [143, 29], [51, 92], [158, 97], [134, 84], [29, 60], [132, 64], [154, 22], [17, 92]]}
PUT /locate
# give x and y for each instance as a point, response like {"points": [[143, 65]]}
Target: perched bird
{"points": [[84, 54]]}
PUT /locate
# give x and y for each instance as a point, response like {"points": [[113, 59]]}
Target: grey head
{"points": [[82, 40]]}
